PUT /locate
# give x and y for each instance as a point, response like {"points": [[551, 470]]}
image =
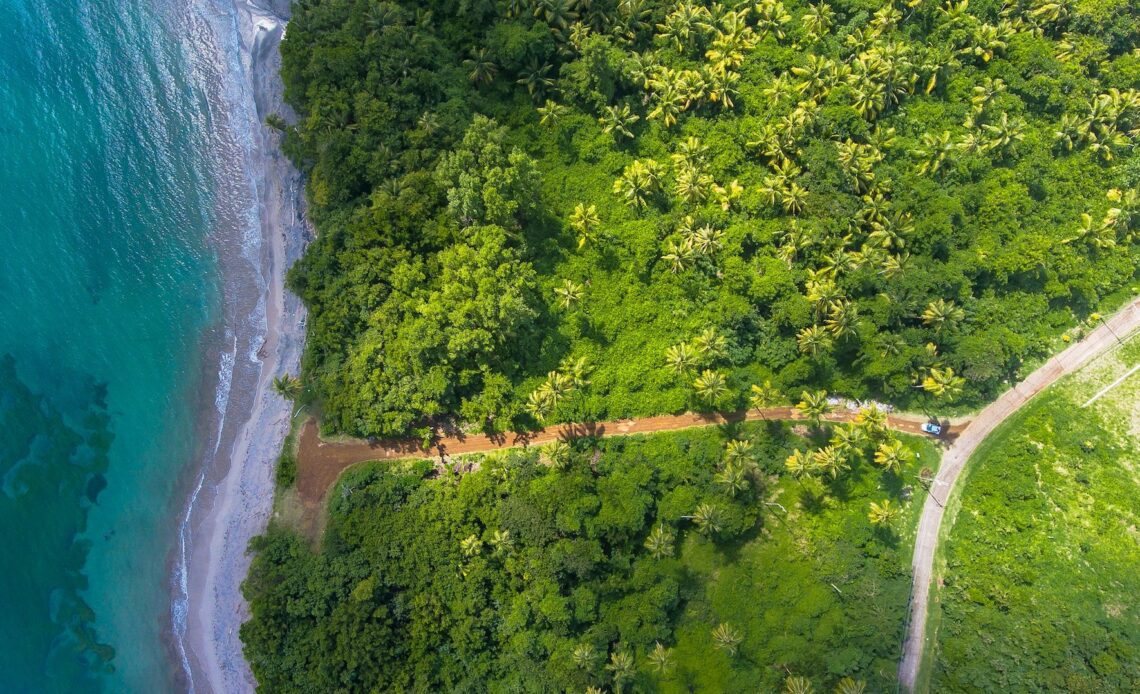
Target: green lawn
{"points": [[1042, 566]]}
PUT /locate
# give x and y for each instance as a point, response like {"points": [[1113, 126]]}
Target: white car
{"points": [[932, 428]]}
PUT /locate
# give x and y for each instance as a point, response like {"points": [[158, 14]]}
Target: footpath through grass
{"points": [[1040, 567]]}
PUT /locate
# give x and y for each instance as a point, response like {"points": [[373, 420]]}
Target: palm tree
{"points": [[618, 120], [738, 452], [842, 318], [681, 357], [764, 396], [501, 540], [733, 478], [872, 420], [710, 344], [892, 455], [934, 152], [621, 669], [558, 453], [537, 79], [661, 659], [678, 255], [711, 387], [813, 340], [540, 403], [569, 294], [884, 513], [287, 386], [849, 685], [482, 69], [830, 460], [849, 439], [692, 186], [1004, 133], [558, 14], [726, 638], [941, 314], [551, 113], [799, 464], [943, 383], [817, 21], [814, 405], [584, 656], [638, 182], [798, 685], [660, 542], [708, 520], [471, 545], [585, 221], [771, 18]]}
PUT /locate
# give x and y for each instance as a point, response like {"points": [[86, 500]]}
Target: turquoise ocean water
{"points": [[109, 290]]}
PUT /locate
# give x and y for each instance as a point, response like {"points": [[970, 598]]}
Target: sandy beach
{"points": [[233, 499]]}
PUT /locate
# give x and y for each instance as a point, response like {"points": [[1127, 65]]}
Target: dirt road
{"points": [[1097, 342], [320, 463]]}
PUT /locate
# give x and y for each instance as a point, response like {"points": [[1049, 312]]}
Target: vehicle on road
{"points": [[932, 428]]}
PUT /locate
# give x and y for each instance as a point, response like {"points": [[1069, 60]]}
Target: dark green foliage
{"points": [[977, 147], [489, 581]]}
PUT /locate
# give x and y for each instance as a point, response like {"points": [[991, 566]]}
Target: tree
{"points": [[287, 386], [764, 396], [892, 455], [943, 383], [585, 221], [481, 69], [814, 405], [471, 545], [830, 461], [661, 659], [708, 519], [710, 344], [621, 669], [660, 542], [726, 638], [813, 340], [618, 120], [711, 387], [680, 358], [942, 315], [584, 656], [733, 478], [638, 183], [798, 685], [569, 293], [799, 464], [883, 514], [487, 183], [849, 685]]}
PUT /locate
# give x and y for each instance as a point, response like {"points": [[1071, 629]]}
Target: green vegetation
{"points": [[676, 562], [903, 201], [1041, 563]]}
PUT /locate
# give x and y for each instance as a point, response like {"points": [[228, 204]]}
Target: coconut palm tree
{"points": [[934, 152], [569, 293], [818, 20], [710, 344], [551, 113], [501, 540], [471, 545], [618, 120], [872, 420], [771, 17], [814, 405], [711, 387], [481, 69], [559, 454], [764, 396], [884, 513], [849, 685], [584, 656], [681, 357], [537, 79], [287, 386], [829, 460], [892, 455], [942, 315], [842, 318], [1003, 134], [638, 182], [621, 669], [813, 340], [708, 519], [692, 186], [943, 383], [585, 221], [661, 659], [849, 439], [798, 685], [738, 452], [660, 542], [799, 464], [726, 638], [678, 254], [733, 478]]}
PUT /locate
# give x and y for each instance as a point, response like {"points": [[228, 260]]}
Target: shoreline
{"points": [[230, 499]]}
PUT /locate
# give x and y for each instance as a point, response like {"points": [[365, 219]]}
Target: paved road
{"points": [[1104, 338]]}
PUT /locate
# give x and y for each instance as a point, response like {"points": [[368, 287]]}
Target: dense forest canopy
{"points": [[899, 200], [676, 562]]}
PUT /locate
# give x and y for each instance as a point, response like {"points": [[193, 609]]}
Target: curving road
{"points": [[1097, 342]]}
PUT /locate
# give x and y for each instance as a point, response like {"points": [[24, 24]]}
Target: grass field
{"points": [[1040, 567]]}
